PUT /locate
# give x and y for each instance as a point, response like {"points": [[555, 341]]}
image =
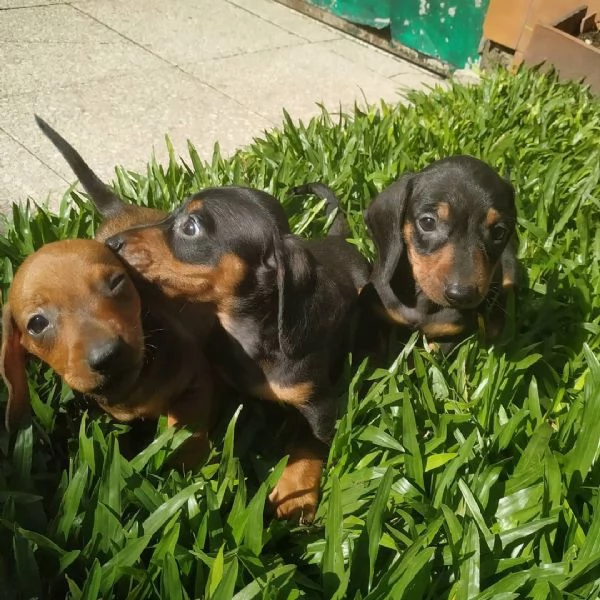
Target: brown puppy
{"points": [[165, 321], [93, 333], [445, 240], [117, 216]]}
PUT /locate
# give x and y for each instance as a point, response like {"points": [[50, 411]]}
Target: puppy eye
{"points": [[37, 324], [427, 223], [116, 282], [191, 227], [499, 233]]}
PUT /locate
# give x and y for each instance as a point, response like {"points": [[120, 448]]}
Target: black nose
{"points": [[115, 242], [461, 295], [107, 357]]}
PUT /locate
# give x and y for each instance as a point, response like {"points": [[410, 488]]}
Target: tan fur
{"points": [[436, 330], [64, 277], [492, 217], [296, 395], [146, 251], [430, 271], [68, 280], [296, 495], [443, 211]]}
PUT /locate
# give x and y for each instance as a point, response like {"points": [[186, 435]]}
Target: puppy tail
{"points": [[105, 200], [340, 225]]}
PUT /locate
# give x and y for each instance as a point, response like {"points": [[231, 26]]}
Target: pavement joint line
{"points": [[171, 64], [18, 142], [33, 6], [334, 51], [278, 25], [93, 80]]}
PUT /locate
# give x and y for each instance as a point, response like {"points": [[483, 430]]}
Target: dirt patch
{"points": [[591, 37]]}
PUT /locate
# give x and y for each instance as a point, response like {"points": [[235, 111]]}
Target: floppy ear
{"points": [[107, 203], [297, 306], [12, 369], [384, 219]]}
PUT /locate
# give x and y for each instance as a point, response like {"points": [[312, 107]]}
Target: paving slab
{"points": [[422, 81], [8, 4], [115, 76], [378, 61], [22, 175], [296, 78], [119, 122], [189, 30], [294, 22], [50, 47]]}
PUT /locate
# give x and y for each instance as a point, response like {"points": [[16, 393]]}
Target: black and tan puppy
{"points": [[284, 305], [445, 240]]}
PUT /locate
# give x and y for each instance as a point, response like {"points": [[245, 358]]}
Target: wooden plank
{"points": [[505, 20], [572, 58], [370, 36]]}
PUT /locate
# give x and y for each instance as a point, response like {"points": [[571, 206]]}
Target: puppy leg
{"points": [[195, 408], [296, 495], [504, 282]]}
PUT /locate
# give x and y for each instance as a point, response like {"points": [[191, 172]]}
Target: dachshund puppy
{"points": [[73, 305], [167, 324], [284, 305], [117, 216], [445, 240]]}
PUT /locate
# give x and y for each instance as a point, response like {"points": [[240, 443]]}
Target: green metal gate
{"points": [[449, 30]]}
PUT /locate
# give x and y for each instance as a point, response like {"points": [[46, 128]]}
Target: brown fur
{"points": [[437, 330], [296, 494], [174, 381], [184, 281], [296, 395], [443, 211], [430, 271], [492, 217]]}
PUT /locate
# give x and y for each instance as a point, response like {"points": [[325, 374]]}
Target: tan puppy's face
{"points": [[73, 305]]}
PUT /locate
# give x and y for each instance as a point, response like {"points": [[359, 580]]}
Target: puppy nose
{"points": [[106, 357], [461, 295], [115, 242]]}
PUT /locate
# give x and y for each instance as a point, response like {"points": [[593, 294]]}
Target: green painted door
{"points": [[375, 13], [447, 30]]}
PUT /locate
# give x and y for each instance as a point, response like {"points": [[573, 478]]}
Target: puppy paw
{"points": [[290, 504], [296, 495]]}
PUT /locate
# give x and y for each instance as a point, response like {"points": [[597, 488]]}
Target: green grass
{"points": [[474, 476]]}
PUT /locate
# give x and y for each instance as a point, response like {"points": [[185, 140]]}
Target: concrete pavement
{"points": [[115, 76]]}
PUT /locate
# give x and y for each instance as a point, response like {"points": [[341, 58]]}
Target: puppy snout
{"points": [[462, 296], [108, 357], [115, 242]]}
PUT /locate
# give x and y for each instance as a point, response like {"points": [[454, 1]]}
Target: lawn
{"points": [[471, 476]]}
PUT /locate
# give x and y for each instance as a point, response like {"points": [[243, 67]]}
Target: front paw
{"points": [[291, 504], [296, 495]]}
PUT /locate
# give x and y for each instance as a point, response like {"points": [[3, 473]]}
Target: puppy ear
{"points": [[384, 219], [12, 369], [107, 203], [296, 284]]}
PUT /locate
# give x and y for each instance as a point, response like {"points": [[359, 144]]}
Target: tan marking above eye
{"points": [[430, 270], [492, 217], [194, 206], [443, 211]]}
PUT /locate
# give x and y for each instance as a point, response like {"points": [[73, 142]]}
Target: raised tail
{"points": [[340, 225], [105, 200]]}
